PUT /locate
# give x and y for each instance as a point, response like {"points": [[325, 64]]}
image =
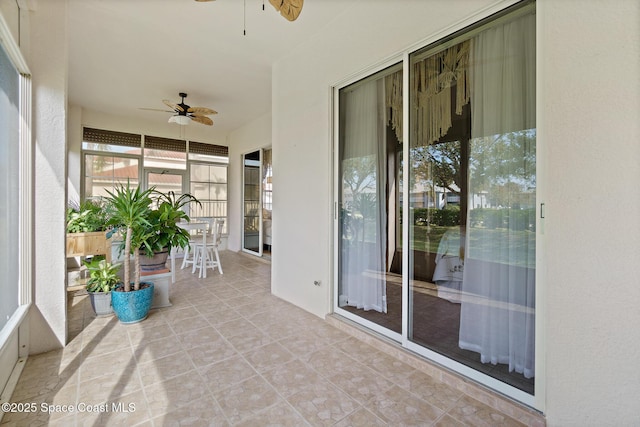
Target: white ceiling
{"points": [[125, 55]]}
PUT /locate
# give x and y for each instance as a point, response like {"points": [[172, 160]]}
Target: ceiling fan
{"points": [[289, 9], [184, 113]]}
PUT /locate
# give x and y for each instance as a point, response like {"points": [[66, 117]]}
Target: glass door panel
{"points": [[472, 173], [369, 262], [267, 202], [251, 207]]}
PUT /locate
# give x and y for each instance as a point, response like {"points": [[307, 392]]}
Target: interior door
{"points": [[252, 203]]}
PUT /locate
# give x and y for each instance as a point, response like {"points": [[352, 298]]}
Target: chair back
{"points": [[218, 226], [214, 231]]}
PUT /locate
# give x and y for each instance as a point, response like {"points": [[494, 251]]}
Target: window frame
{"points": [[141, 167]]}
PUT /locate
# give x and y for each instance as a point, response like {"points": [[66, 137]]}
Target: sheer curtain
{"points": [[363, 198], [497, 316]]}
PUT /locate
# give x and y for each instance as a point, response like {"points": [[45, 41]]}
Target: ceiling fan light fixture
{"points": [[181, 120]]}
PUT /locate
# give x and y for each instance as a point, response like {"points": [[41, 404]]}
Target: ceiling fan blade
{"points": [[202, 119], [201, 110], [289, 9], [175, 107], [157, 109]]}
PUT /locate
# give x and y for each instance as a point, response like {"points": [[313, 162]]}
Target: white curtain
{"points": [[363, 163], [498, 289]]}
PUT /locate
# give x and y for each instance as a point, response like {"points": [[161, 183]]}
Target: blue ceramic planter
{"points": [[133, 306]]}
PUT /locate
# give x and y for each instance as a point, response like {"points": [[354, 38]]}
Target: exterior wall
{"points": [[589, 110], [589, 259]]}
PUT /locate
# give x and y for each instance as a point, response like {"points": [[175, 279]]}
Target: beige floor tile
{"points": [[268, 357], [197, 337], [175, 393], [250, 339], [280, 415], [234, 327], [361, 383], [173, 314], [397, 407], [245, 399], [433, 391], [211, 352], [361, 418], [189, 324], [227, 373], [147, 351], [123, 410], [291, 377], [203, 412], [222, 315], [118, 363], [164, 368], [303, 343], [227, 352], [475, 413], [447, 421], [108, 387], [322, 404]]}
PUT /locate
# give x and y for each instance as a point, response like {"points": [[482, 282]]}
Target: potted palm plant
{"points": [[103, 278], [128, 210], [162, 231]]}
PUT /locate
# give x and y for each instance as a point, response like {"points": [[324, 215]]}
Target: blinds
{"points": [[167, 144], [111, 137], [208, 149], [101, 136]]}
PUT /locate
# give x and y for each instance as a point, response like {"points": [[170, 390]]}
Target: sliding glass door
{"points": [[369, 262], [251, 238], [469, 203]]}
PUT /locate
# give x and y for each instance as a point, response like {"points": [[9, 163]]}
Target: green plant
{"points": [[128, 209], [162, 230], [103, 276], [85, 217]]}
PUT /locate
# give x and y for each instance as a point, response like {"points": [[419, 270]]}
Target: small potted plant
{"points": [[128, 210], [86, 225], [103, 278], [163, 232]]}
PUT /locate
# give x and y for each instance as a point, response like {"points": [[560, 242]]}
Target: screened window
{"points": [[208, 183], [9, 187], [113, 158]]}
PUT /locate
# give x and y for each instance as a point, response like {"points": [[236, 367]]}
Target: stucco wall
{"points": [[589, 126], [48, 64], [588, 158]]}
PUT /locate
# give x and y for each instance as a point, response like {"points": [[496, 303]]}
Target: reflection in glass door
{"points": [[473, 194], [251, 206], [369, 262], [469, 202]]}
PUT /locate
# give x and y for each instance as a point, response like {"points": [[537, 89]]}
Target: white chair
{"points": [[205, 252], [187, 259]]}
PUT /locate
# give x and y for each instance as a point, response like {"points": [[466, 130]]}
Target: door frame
{"points": [[242, 230]]}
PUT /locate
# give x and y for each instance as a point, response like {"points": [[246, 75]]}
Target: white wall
{"points": [[588, 124], [253, 136], [47, 61], [589, 86], [363, 35]]}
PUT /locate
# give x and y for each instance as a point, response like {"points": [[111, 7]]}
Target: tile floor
{"points": [[226, 353]]}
